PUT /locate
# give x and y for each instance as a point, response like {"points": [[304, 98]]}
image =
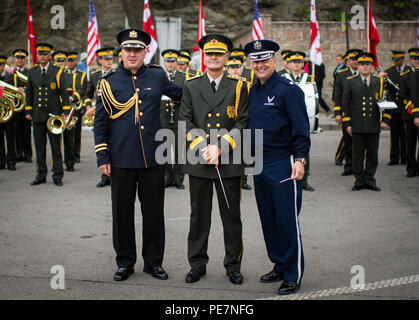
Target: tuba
{"points": [[6, 109], [11, 93], [56, 124]]}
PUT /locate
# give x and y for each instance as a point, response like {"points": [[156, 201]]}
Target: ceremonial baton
{"points": [[222, 186]]}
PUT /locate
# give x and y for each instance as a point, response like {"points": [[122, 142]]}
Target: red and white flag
{"points": [[149, 28], [93, 42], [201, 32], [315, 50], [257, 30], [31, 34], [373, 38]]}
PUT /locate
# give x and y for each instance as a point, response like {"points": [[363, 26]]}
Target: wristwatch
{"points": [[302, 160]]}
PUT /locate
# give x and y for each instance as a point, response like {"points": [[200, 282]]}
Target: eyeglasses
{"points": [[364, 63]]}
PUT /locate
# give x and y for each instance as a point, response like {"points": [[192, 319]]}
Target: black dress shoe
{"points": [[20, 159], [156, 272], [393, 163], [11, 166], [168, 184], [288, 287], [103, 184], [339, 163], [123, 274], [347, 173], [307, 187], [38, 181], [272, 276], [194, 276], [235, 277], [245, 186], [374, 188], [357, 187], [2, 166], [77, 160], [58, 183], [411, 174], [70, 169], [180, 186]]}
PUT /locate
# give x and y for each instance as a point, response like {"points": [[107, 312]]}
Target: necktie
{"points": [[213, 86], [298, 78], [365, 83], [43, 71]]}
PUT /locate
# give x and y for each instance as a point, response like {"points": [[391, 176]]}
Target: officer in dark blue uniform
{"points": [[126, 122], [277, 106]]}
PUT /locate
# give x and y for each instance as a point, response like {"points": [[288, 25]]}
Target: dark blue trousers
{"points": [[279, 205]]}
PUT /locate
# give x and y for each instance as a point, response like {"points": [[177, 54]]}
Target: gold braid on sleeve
{"points": [[238, 91]]}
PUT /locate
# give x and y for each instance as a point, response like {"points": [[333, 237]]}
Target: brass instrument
{"points": [[89, 120], [6, 109], [56, 124], [11, 93]]}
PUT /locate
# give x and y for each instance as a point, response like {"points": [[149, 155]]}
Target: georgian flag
{"points": [[149, 28], [315, 50]]}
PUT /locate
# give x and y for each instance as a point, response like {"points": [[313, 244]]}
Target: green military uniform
{"points": [[46, 94], [169, 117], [362, 114], [398, 138], [9, 129], [78, 84], [23, 126], [203, 107]]}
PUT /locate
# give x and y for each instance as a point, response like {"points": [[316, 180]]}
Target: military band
{"points": [[132, 102]]}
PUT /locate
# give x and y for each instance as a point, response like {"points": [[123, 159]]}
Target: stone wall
{"points": [[296, 36]]}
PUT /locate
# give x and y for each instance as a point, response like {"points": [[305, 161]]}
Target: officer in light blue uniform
{"points": [[126, 122], [277, 106]]}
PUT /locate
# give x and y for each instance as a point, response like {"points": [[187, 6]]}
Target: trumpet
{"points": [[11, 92], [56, 124], [75, 105], [89, 120]]}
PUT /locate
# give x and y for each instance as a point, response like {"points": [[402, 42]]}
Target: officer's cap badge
{"points": [[257, 45], [133, 34]]}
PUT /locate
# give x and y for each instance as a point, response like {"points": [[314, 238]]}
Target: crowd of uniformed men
{"points": [[56, 84]]}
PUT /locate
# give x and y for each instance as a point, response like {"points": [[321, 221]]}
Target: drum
{"points": [[312, 99]]}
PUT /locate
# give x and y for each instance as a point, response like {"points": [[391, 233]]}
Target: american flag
{"points": [[418, 28], [257, 32], [93, 42]]}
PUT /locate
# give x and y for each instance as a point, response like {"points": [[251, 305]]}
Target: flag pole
{"points": [[368, 26]]}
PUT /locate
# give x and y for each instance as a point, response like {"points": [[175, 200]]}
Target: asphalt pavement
{"points": [[55, 242]]}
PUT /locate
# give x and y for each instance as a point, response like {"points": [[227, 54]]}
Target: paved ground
{"points": [[44, 226]]}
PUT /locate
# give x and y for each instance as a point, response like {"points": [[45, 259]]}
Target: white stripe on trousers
{"points": [[296, 223]]}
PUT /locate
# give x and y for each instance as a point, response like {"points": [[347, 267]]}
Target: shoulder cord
{"points": [[238, 91]]}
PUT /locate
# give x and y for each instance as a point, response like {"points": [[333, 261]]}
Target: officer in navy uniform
{"points": [[126, 122], [78, 86], [277, 106], [46, 94], [104, 59], [214, 106], [8, 128], [411, 132], [397, 135], [23, 126], [169, 117], [362, 121]]}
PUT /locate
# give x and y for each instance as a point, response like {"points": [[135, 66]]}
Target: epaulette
{"points": [[94, 72], [150, 65], [237, 78], [416, 68], [34, 66], [196, 77], [406, 72], [352, 77], [286, 81], [109, 74], [342, 70], [386, 70]]}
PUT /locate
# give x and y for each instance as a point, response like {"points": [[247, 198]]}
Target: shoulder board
{"points": [[94, 72], [286, 81], [196, 77], [352, 77], [237, 78], [150, 65], [109, 74], [33, 67], [388, 69], [406, 72], [180, 71], [343, 70]]}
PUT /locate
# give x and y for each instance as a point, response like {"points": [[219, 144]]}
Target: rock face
{"points": [[232, 18]]}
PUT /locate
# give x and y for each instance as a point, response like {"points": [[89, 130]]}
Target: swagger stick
{"points": [[222, 186]]}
